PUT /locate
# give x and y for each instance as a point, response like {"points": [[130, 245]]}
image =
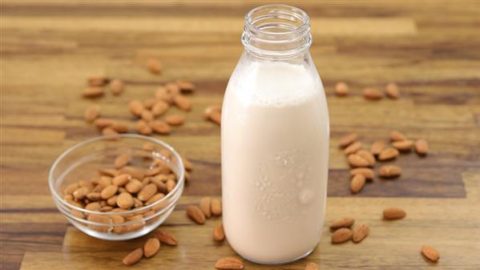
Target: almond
{"points": [[341, 89], [110, 133], [170, 185], [216, 118], [116, 87], [389, 171], [162, 93], [357, 161], [103, 122], [133, 257], [166, 237], [205, 206], [155, 198], [195, 214], [133, 171], [93, 206], [218, 233], [377, 147], [352, 148], [136, 107], [70, 188], [430, 253], [360, 232], [148, 146], [345, 222], [121, 180], [160, 127], [216, 207], [112, 201], [211, 109], [133, 186], [186, 87], [187, 164], [341, 235], [348, 139], [366, 172], [143, 128], [357, 183], [396, 136], [122, 160], [159, 108], [154, 66], [97, 80], [172, 88], [108, 191], [392, 91], [393, 213], [312, 266], [421, 147], [175, 120], [108, 172], [229, 263], [92, 92], [404, 146], [120, 127], [388, 153], [372, 94], [80, 193], [92, 113], [125, 200], [147, 116], [94, 196], [182, 103], [147, 192], [367, 155], [151, 247]]}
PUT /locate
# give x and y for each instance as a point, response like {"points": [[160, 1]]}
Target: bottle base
{"points": [[279, 262]]}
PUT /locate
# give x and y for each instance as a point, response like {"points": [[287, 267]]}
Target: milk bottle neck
{"points": [[277, 32]]}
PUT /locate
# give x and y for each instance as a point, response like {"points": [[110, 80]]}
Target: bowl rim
{"points": [[179, 186]]}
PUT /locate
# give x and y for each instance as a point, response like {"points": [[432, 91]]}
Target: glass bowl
{"points": [[94, 159]]}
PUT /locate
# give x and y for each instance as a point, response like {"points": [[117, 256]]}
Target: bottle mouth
{"points": [[276, 30]]}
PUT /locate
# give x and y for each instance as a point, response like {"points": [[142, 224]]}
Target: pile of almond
{"points": [[150, 115], [134, 180], [370, 93], [362, 161]]}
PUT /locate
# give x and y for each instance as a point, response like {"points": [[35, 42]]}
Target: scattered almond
{"points": [[372, 94], [393, 213], [430, 253], [397, 136], [366, 172], [389, 171], [154, 66], [110, 133], [360, 232], [404, 146], [341, 235], [216, 207], [421, 147], [147, 115], [229, 263], [341, 89], [216, 118], [175, 120], [116, 87], [143, 127], [159, 108], [357, 183], [151, 247], [388, 153], [218, 233], [97, 80], [348, 139], [211, 109], [357, 161], [136, 107], [367, 155], [103, 122], [345, 222], [119, 127], [92, 113], [195, 214], [133, 257], [92, 92], [166, 237], [352, 148], [392, 91], [377, 147], [160, 127], [205, 203], [186, 87], [182, 103]]}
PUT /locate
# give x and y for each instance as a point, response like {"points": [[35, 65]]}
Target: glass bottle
{"points": [[275, 141]]}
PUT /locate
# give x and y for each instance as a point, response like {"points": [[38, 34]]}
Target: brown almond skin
{"points": [[147, 192], [372, 94], [205, 203], [187, 164], [122, 160], [357, 183], [125, 200], [430, 253], [389, 171], [348, 139], [404, 146], [133, 186], [91, 113], [360, 232], [216, 117], [116, 87], [216, 207], [110, 133], [103, 122], [312, 266], [211, 109], [182, 103], [166, 238], [170, 185], [367, 155], [186, 87], [341, 89], [345, 222], [377, 147], [421, 147], [133, 257], [151, 247], [195, 214], [108, 192], [218, 233], [175, 119], [160, 127], [392, 91], [136, 107], [121, 180], [93, 92], [147, 115], [388, 153], [80, 193], [143, 128], [154, 66], [97, 80], [159, 108], [353, 148], [393, 213], [341, 235], [120, 127], [357, 161], [70, 188], [396, 136], [135, 172], [229, 263], [366, 172]]}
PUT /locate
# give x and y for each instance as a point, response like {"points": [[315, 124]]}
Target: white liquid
{"points": [[275, 139]]}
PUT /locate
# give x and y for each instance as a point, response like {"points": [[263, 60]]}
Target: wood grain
{"points": [[430, 48]]}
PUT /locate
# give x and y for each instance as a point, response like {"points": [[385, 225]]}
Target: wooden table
{"points": [[430, 48]]}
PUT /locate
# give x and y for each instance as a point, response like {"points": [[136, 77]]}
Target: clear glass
{"points": [[275, 141], [84, 160]]}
